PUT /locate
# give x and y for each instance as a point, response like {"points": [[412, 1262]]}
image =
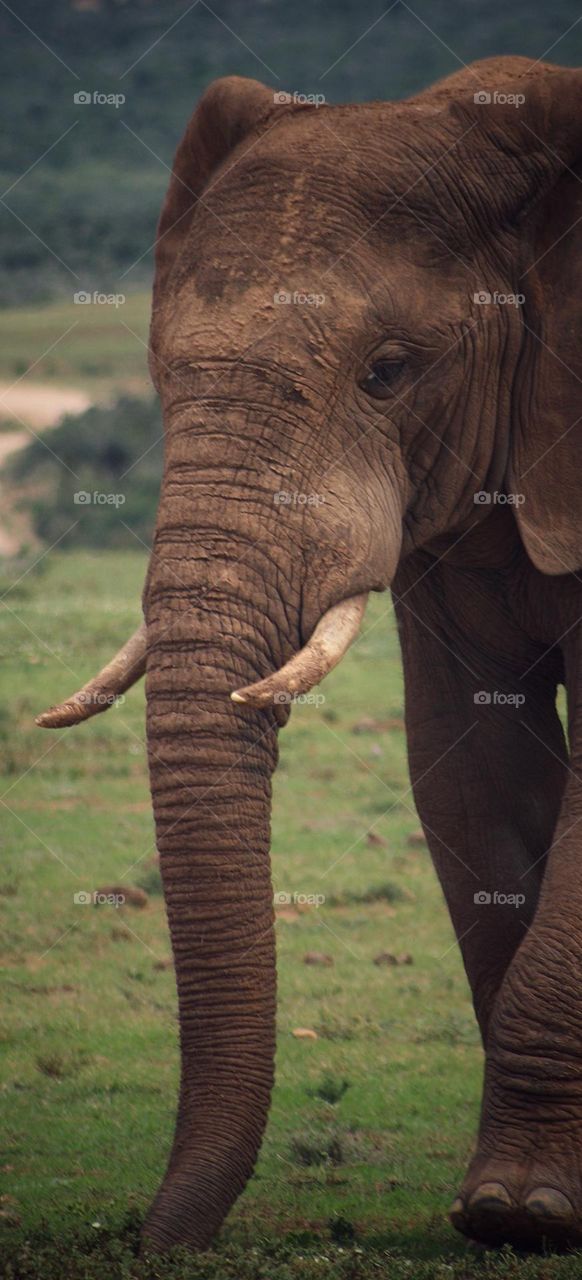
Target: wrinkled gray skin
{"points": [[398, 214]]}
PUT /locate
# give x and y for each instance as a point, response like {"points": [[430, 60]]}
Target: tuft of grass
{"points": [[387, 892], [151, 882], [329, 1090], [59, 1066], [317, 1150]]}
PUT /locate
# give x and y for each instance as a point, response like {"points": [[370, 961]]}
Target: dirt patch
{"points": [[38, 405], [32, 409]]}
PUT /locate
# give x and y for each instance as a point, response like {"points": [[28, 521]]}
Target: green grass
{"points": [[372, 1123], [97, 347]]}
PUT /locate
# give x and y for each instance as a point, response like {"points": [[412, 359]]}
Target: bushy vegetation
{"points": [[86, 213], [96, 476]]}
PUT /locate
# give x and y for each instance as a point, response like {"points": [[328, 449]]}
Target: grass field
{"points": [[372, 1122], [96, 346]]}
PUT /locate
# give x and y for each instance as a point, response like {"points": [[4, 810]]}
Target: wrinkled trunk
{"points": [[215, 621], [234, 578], [210, 774]]}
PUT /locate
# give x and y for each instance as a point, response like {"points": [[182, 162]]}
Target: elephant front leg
{"points": [[487, 774], [492, 783], [524, 1185]]}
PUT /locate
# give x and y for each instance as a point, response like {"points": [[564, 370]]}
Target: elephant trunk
{"points": [[210, 766]]}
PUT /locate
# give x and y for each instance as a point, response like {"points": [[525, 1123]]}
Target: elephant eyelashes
{"points": [[378, 381]]}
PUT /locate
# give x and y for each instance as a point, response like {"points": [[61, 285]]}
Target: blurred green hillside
{"points": [[81, 184]]}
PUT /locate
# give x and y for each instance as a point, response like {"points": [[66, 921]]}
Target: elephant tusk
{"points": [[333, 635], [124, 670]]}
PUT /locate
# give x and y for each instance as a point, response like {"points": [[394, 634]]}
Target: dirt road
{"points": [[32, 409]]}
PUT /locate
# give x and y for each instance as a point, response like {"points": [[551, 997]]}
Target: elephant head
{"points": [[344, 361]]}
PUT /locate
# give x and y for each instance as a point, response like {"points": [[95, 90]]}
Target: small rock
{"points": [[389, 958], [378, 841], [368, 725], [287, 913], [304, 1033], [127, 895], [365, 725], [9, 1211], [317, 957], [416, 838], [168, 963]]}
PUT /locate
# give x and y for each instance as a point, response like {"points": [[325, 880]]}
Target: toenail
{"points": [[546, 1202], [491, 1197]]}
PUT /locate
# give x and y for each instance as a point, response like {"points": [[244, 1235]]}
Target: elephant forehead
{"points": [[291, 316], [275, 208], [311, 192], [282, 305]]}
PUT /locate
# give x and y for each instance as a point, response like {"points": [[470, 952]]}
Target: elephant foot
{"points": [[506, 1204]]}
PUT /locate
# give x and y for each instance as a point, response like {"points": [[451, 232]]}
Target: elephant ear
{"points": [[528, 148], [231, 110]]}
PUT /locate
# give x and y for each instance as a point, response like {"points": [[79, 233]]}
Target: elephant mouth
{"points": [[335, 632], [331, 638]]}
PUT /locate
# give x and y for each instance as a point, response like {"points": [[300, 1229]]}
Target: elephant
{"points": [[366, 340]]}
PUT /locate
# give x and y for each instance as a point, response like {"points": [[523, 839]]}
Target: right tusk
{"points": [[333, 635], [124, 670]]}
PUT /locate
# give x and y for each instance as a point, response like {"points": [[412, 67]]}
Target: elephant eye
{"points": [[380, 377]]}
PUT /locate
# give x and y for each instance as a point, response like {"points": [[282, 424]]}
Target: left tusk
{"points": [[100, 693], [333, 635]]}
